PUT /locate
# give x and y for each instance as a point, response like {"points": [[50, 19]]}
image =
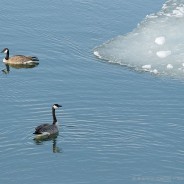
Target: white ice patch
{"points": [[147, 67], [160, 40], [97, 54], [155, 45], [179, 12], [155, 71], [163, 54], [169, 66]]}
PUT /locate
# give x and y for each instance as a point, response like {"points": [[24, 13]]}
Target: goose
{"points": [[19, 59], [48, 129]]}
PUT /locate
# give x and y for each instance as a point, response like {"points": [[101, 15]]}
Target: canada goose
{"points": [[19, 59], [48, 129]]}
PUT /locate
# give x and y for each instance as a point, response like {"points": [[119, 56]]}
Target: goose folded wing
{"points": [[41, 128]]}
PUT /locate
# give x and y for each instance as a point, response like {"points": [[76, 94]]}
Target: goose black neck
{"points": [[54, 116], [7, 55]]}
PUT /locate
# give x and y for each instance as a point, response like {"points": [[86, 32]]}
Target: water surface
{"points": [[116, 125]]}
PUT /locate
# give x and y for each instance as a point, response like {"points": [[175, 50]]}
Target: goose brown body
{"points": [[19, 59]]}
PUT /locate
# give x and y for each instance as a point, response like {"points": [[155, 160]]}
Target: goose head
{"points": [[56, 106], [5, 50]]}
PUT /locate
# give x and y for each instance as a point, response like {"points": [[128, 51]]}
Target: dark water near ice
{"points": [[116, 125]]}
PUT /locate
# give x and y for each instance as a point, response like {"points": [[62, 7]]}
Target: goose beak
{"points": [[59, 105]]}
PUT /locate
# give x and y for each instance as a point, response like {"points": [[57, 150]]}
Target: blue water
{"points": [[117, 125]]}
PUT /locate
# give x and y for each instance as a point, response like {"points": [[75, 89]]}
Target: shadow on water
{"points": [[6, 70], [39, 140]]}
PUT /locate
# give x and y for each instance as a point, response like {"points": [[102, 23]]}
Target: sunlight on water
{"points": [[156, 45]]}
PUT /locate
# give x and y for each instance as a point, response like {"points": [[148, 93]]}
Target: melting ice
{"points": [[156, 45]]}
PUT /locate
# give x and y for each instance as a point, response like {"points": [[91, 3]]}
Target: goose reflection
{"points": [[53, 139], [6, 70]]}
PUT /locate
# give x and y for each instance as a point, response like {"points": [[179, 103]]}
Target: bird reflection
{"points": [[41, 140], [6, 70], [55, 148]]}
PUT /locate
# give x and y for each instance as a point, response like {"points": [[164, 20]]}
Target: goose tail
{"points": [[34, 58]]}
